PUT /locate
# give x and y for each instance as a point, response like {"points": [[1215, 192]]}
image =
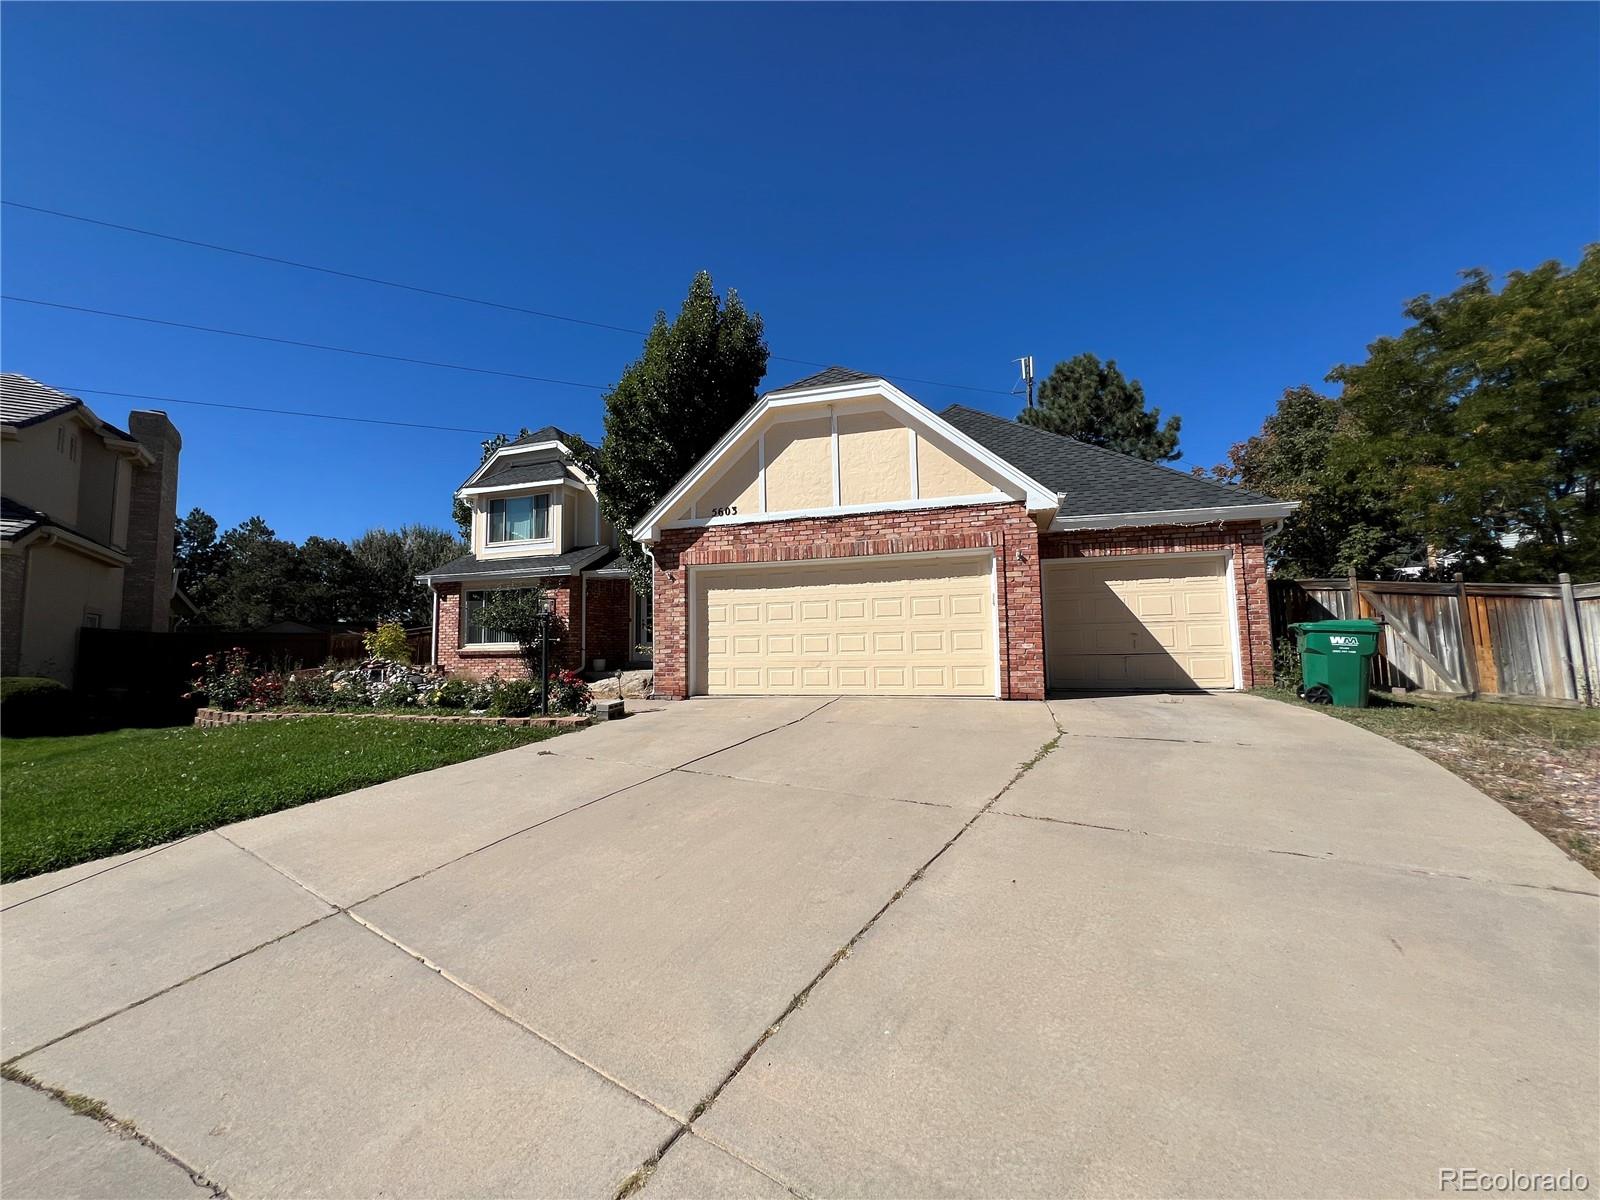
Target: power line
{"points": [[426, 291], [280, 412], [262, 337]]}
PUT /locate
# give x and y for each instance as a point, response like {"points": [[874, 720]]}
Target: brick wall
{"points": [[15, 581], [1249, 572], [1005, 528], [610, 611], [152, 514], [507, 664]]}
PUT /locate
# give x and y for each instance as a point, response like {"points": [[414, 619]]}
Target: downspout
{"points": [[583, 620], [433, 642]]}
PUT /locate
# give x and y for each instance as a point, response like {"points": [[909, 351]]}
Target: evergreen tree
{"points": [[1086, 399], [696, 377]]}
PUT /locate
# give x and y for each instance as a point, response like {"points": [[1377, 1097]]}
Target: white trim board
{"points": [[1175, 516]]}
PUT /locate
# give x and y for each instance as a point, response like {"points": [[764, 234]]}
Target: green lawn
{"points": [[66, 800], [1541, 763]]}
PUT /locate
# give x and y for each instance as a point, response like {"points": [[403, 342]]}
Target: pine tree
{"points": [[1091, 401]]}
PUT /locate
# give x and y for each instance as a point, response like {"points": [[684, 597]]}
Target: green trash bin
{"points": [[1336, 661]]}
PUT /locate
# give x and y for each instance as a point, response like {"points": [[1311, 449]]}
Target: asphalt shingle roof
{"points": [[1092, 481], [827, 378], [467, 567], [548, 434], [509, 472]]}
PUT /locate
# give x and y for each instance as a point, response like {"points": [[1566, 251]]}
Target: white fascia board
{"points": [[1176, 516], [574, 567], [55, 535], [1037, 497], [506, 488]]}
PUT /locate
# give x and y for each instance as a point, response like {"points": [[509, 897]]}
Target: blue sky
{"points": [[1227, 199]]}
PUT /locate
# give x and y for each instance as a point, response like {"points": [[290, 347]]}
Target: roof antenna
{"points": [[1025, 381]]}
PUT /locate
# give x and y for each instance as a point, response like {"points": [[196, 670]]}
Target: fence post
{"points": [[1582, 685], [1469, 648], [1355, 595]]}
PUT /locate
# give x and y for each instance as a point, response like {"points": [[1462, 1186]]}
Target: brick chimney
{"points": [[152, 516]]}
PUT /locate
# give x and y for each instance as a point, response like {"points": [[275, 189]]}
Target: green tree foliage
{"points": [[249, 577], [1307, 450], [1485, 415], [522, 614], [696, 377], [387, 563], [1086, 399]]}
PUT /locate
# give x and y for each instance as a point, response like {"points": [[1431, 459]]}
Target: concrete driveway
{"points": [[1209, 945]]}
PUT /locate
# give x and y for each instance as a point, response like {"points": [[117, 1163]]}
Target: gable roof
{"points": [[831, 377], [24, 401], [513, 472], [1094, 482]]}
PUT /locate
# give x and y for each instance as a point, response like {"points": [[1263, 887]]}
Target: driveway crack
{"points": [[641, 1174]]}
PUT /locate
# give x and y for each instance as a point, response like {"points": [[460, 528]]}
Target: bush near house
{"points": [[31, 706]]}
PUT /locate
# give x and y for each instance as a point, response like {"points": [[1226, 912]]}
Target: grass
{"points": [[68, 800], [1541, 763]]}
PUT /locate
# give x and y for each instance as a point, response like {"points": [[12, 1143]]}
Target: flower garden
{"points": [[384, 683]]}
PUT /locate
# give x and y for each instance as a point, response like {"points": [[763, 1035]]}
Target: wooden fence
{"points": [[1533, 643]]}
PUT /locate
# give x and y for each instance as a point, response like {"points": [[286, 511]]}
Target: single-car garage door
{"points": [[1130, 624], [866, 626]]}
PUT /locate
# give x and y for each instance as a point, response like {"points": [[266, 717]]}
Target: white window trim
{"points": [[551, 506], [692, 663], [1231, 597]]}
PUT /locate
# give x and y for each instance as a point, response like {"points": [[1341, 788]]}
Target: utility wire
{"points": [[261, 337], [425, 291], [280, 412]]}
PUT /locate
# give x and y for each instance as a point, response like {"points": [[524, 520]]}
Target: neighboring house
{"points": [[536, 520], [86, 532], [843, 539]]}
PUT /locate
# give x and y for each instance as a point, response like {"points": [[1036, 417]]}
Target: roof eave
{"points": [[1175, 516]]}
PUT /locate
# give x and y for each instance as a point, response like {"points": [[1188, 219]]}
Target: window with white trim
{"points": [[519, 519]]}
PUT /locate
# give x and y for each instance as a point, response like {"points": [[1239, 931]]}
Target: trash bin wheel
{"points": [[1317, 693]]}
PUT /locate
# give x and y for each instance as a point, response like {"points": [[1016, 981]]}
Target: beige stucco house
{"points": [[87, 518]]}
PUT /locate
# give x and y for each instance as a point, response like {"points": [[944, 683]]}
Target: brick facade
{"points": [[1244, 538], [1005, 528], [607, 635]]}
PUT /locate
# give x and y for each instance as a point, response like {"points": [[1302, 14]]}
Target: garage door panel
{"points": [[893, 626], [1121, 624]]}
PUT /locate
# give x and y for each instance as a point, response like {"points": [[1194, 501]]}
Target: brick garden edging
{"points": [[214, 718]]}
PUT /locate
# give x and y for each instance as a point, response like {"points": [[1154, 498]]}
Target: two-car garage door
{"points": [[869, 626]]}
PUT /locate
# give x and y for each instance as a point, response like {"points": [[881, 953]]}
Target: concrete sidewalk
{"points": [[1131, 946]]}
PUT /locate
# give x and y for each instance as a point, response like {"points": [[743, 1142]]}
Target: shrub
{"points": [[568, 692], [31, 706], [398, 693], [1286, 663], [388, 642], [514, 698], [351, 690], [224, 680], [309, 689], [453, 693]]}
